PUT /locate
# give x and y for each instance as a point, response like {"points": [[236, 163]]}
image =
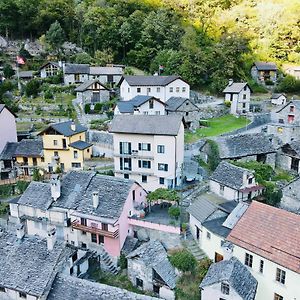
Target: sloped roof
{"points": [[294, 102], [2, 106], [77, 69], [215, 225], [80, 145], [29, 148], [292, 189], [265, 66], [235, 87], [229, 175], [140, 80], [277, 95], [25, 74], [8, 151], [270, 232], [154, 255], [146, 124], [292, 148], [241, 145], [64, 128], [176, 102], [236, 274], [85, 85], [56, 64], [106, 71]]}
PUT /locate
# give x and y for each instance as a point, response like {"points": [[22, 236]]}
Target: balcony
{"points": [[76, 225], [136, 154]]}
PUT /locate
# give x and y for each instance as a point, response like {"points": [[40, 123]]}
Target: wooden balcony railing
{"points": [[78, 226]]}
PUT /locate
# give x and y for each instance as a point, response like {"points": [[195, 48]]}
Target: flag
{"points": [[20, 60]]}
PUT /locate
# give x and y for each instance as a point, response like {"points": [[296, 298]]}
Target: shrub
{"points": [[4, 208], [48, 94], [227, 103], [21, 186], [183, 260], [163, 194], [257, 88], [213, 158], [123, 262], [269, 82], [98, 107], [87, 108], [36, 176], [288, 84], [32, 88], [174, 212]]}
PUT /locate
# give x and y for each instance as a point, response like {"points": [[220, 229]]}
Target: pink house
{"points": [[8, 129]]}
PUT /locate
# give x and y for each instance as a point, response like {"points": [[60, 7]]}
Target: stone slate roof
{"points": [[106, 71], [129, 106], [27, 265], [292, 148], [292, 189], [77, 69], [265, 66], [236, 274], [229, 175], [101, 137], [154, 255], [80, 145], [67, 287], [276, 96], [29, 148], [64, 128], [235, 87], [140, 80], [85, 85], [215, 222], [37, 195], [26, 74], [233, 146], [176, 102], [51, 63], [129, 245], [146, 124], [271, 233], [294, 102], [8, 151]]}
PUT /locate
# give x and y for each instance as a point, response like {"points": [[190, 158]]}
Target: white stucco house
{"points": [[51, 68], [278, 99], [293, 71], [141, 105], [238, 93], [149, 149], [161, 87]]}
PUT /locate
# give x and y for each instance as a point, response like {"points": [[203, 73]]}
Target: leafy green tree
{"points": [[32, 88], [183, 260], [8, 71], [55, 37], [36, 176], [83, 58], [174, 212], [103, 57]]}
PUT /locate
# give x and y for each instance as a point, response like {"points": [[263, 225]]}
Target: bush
{"points": [[174, 212], [21, 186], [213, 158], [288, 84], [257, 88], [183, 260], [87, 108], [123, 262], [36, 176], [227, 103], [32, 88], [8, 71], [98, 107], [48, 94], [163, 194], [269, 82]]}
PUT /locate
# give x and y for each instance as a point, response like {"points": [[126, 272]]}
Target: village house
{"points": [[187, 109], [238, 94], [161, 87], [76, 73], [109, 76], [92, 92], [233, 182], [290, 200], [140, 105], [293, 71], [51, 69], [244, 147], [278, 99], [7, 169], [88, 210], [8, 128], [266, 239], [65, 146], [228, 279], [288, 158], [150, 270], [149, 149], [24, 75], [263, 72], [286, 122]]}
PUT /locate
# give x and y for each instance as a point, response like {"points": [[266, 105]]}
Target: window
{"points": [[244, 105], [133, 195], [71, 270], [151, 104], [145, 164], [83, 221], [291, 118], [187, 113], [138, 90], [157, 112], [248, 260], [75, 154], [74, 257], [104, 226], [144, 147], [158, 90], [55, 142], [55, 153], [128, 90], [83, 232], [222, 189], [183, 89], [250, 180], [163, 167], [160, 149], [261, 266], [277, 297], [100, 239], [22, 295], [208, 235], [225, 288], [139, 283], [83, 245], [292, 108], [244, 96], [280, 276], [245, 88], [177, 89], [125, 148], [94, 238], [2, 289], [171, 89], [148, 90], [64, 142], [280, 121], [144, 178], [126, 176], [76, 165], [42, 159], [125, 163], [34, 161], [161, 180]]}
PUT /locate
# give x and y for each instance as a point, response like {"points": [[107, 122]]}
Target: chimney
{"points": [[20, 231], [230, 82], [73, 126], [95, 199], [227, 250], [51, 238], [55, 186]]}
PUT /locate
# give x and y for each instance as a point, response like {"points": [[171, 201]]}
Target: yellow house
{"points": [[65, 146]]}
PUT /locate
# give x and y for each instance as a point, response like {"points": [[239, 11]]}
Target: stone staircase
{"points": [[192, 246], [107, 263]]}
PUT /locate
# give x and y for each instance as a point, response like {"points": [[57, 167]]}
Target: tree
{"points": [[103, 57], [174, 211], [183, 260], [8, 71], [55, 37], [83, 58], [32, 88], [36, 176]]}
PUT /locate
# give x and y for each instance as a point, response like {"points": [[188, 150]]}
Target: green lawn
{"points": [[217, 126]]}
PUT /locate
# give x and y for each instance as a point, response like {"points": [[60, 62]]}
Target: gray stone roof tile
{"points": [[65, 129], [29, 148], [140, 80], [235, 87], [106, 70], [84, 86], [265, 66], [215, 225], [8, 151], [174, 103], [80, 145], [236, 274], [77, 69]]}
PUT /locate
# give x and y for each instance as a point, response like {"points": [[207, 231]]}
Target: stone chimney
{"points": [[51, 238], [20, 231], [95, 199], [227, 250], [73, 126], [230, 82], [55, 186]]}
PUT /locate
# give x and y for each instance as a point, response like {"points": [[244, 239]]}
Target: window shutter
{"points": [[149, 147], [140, 164], [121, 147], [166, 167], [129, 148], [121, 163], [140, 146], [129, 164]]}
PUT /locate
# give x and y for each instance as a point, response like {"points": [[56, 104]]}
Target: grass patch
{"points": [[4, 208], [217, 126], [282, 175]]}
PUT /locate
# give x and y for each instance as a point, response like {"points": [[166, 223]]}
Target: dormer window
{"points": [[225, 288], [250, 180], [138, 90]]}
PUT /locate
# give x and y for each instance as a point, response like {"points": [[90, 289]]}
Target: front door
{"points": [[218, 257], [26, 172], [197, 233]]}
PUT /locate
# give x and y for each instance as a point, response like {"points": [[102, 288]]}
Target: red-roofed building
{"points": [[267, 240]]}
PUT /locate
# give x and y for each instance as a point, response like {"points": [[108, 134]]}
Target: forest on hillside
{"points": [[205, 41]]}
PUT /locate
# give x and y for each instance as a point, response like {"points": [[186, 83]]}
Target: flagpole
{"points": [[18, 77]]}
